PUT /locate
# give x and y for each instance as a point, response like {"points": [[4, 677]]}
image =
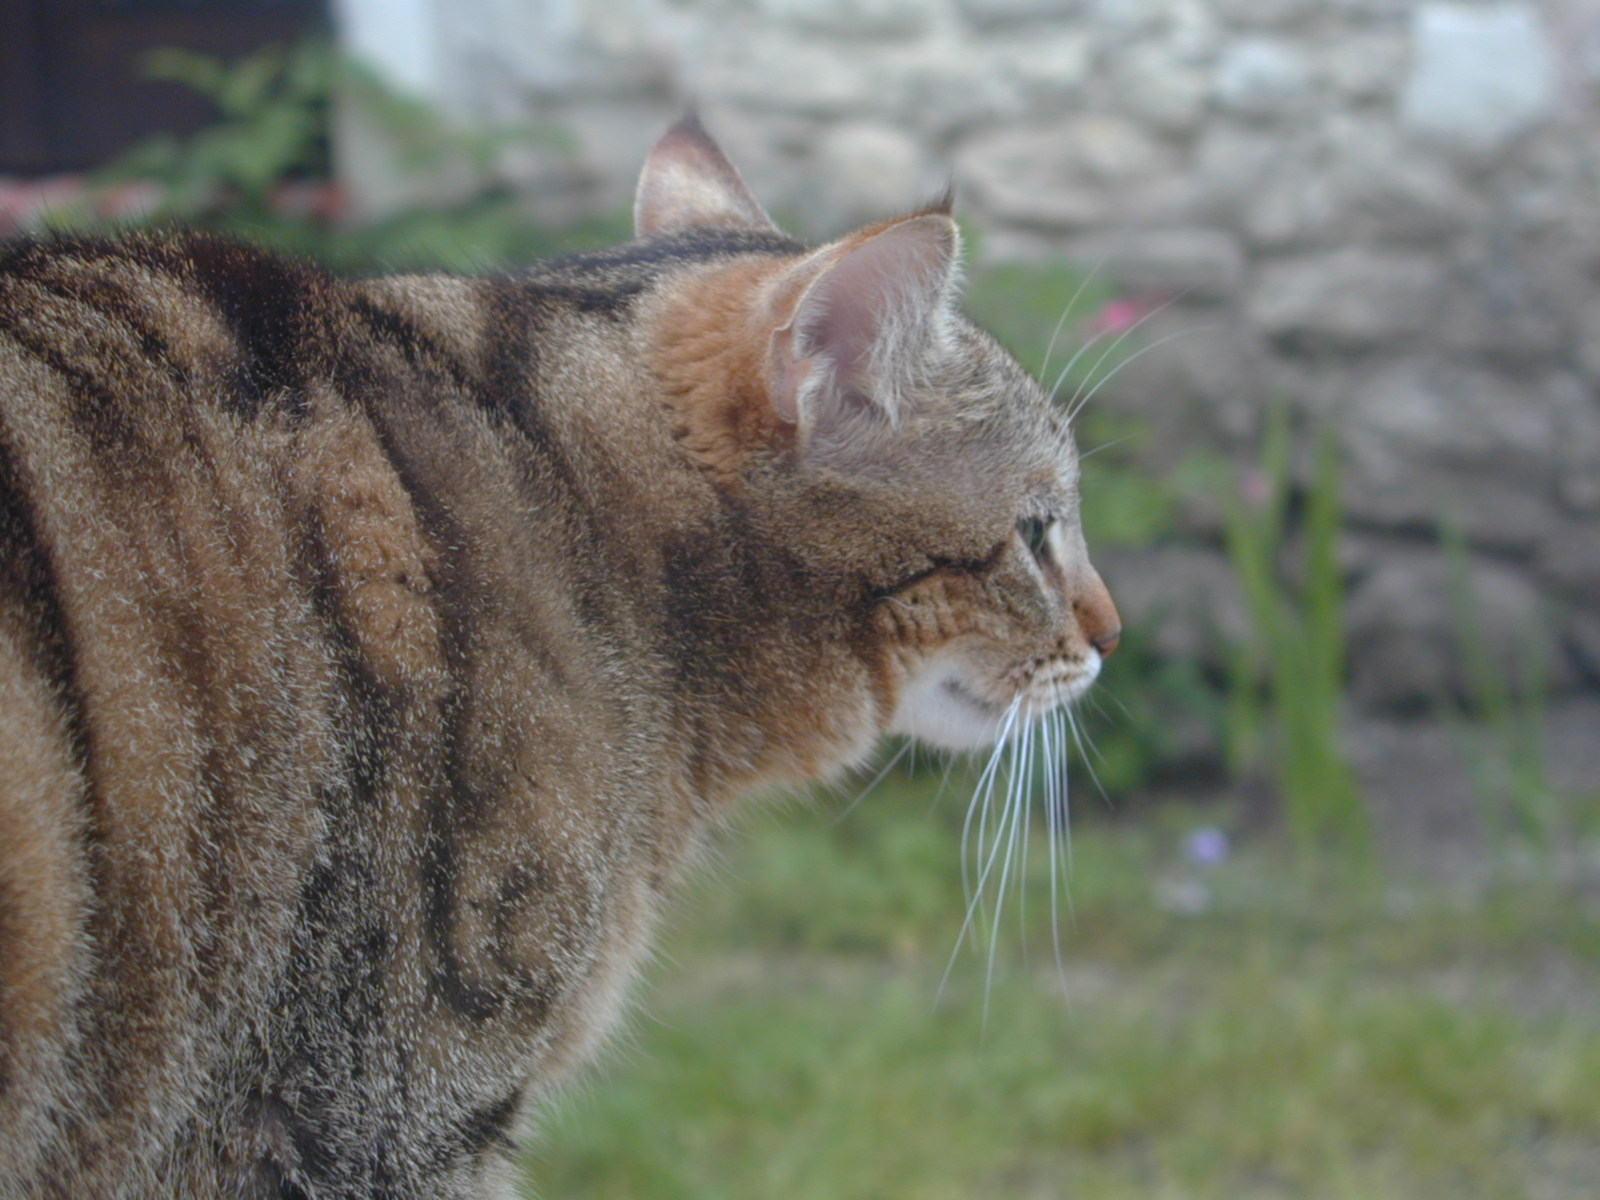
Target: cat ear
{"points": [[869, 314], [688, 183]]}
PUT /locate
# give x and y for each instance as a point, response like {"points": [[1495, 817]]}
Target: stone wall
{"points": [[1384, 212]]}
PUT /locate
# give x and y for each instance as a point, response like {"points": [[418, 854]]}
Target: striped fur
{"points": [[374, 655]]}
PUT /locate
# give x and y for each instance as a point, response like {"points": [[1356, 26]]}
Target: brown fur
{"points": [[373, 656]]}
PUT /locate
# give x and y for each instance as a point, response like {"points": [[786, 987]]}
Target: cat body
{"points": [[374, 655]]}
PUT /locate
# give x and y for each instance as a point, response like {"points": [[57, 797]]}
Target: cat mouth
{"points": [[956, 690], [1063, 687], [943, 708], [1037, 698]]}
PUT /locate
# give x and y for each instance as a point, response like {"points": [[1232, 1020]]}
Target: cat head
{"points": [[896, 449]]}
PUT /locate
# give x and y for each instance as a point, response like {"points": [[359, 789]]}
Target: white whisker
{"points": [[1044, 367], [1035, 741], [973, 891], [1083, 454], [1085, 750], [1094, 340], [1078, 404], [979, 804], [876, 780], [1055, 809], [1005, 833], [1105, 693]]}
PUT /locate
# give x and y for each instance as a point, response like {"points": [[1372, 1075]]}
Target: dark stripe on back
{"points": [[42, 268], [421, 352], [446, 790], [29, 588], [95, 411], [694, 245], [275, 306]]}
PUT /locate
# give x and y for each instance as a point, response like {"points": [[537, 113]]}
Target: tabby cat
{"points": [[373, 655]]}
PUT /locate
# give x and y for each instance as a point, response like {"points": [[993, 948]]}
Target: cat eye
{"points": [[1032, 531]]}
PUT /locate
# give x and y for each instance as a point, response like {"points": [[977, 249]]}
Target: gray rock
{"points": [[1196, 380], [1191, 30], [1513, 301], [1427, 442], [1264, 78], [864, 171], [1381, 10], [941, 87], [1274, 14], [1351, 297], [1588, 339], [1186, 599], [1581, 634], [1575, 417], [854, 18], [1389, 190], [1154, 84], [1419, 787], [773, 150], [1111, 150], [1549, 195], [1231, 164], [775, 71], [1294, 209], [1274, 186], [606, 138], [1200, 264], [1458, 414], [1572, 749], [1480, 74], [1366, 64], [987, 14], [1569, 557], [1411, 623], [1188, 28], [1120, 18], [930, 85], [1061, 175], [1048, 69]]}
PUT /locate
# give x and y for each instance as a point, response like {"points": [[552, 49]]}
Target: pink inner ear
{"points": [[877, 298]]}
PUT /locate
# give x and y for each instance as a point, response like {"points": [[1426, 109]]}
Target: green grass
{"points": [[1291, 1039], [1297, 649]]}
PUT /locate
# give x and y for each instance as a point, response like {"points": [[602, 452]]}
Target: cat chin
{"points": [[938, 709]]}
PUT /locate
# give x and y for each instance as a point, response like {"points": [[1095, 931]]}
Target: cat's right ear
{"points": [[688, 183], [857, 324]]}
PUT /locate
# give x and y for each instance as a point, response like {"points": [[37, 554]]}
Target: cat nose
{"points": [[1097, 615], [1106, 642]]}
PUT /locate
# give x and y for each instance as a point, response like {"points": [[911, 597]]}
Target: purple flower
{"points": [[1207, 846]]}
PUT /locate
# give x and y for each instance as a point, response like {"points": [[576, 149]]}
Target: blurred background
{"points": [[1327, 273]]}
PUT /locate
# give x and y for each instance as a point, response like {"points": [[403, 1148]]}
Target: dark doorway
{"points": [[71, 92]]}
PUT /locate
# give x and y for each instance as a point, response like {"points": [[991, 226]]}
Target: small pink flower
{"points": [[24, 202], [309, 200], [1255, 489], [1116, 318], [129, 201]]}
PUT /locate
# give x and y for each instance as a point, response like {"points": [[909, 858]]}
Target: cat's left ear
{"points": [[859, 324], [688, 183]]}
